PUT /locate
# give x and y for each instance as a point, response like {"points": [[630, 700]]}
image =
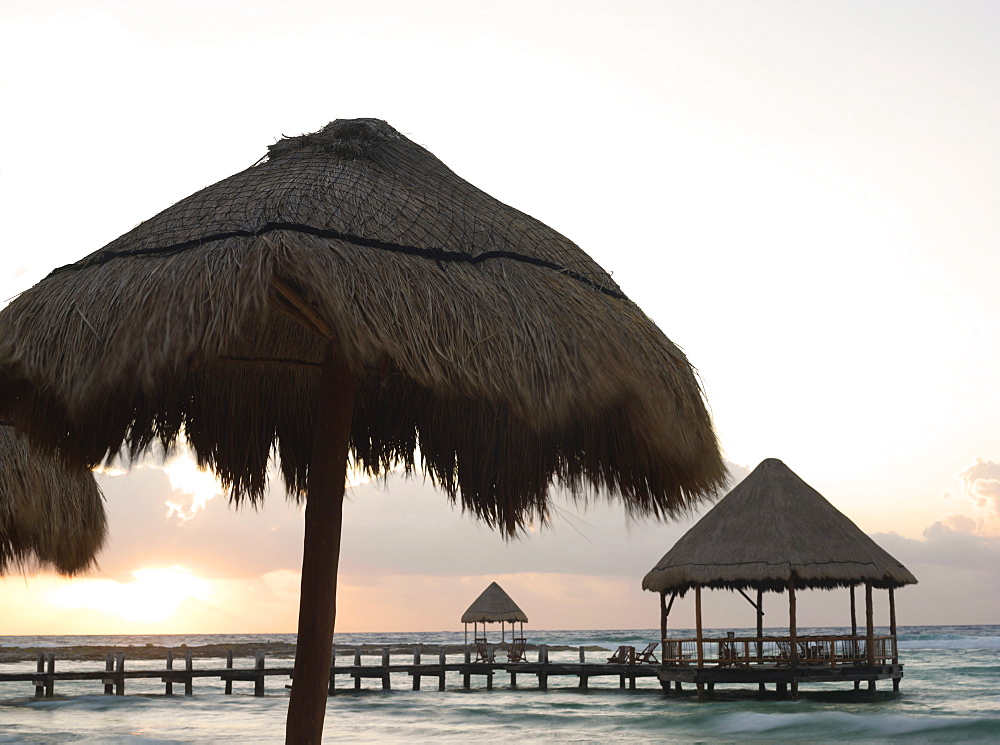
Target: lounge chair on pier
{"points": [[516, 651], [646, 656], [624, 656], [483, 651]]}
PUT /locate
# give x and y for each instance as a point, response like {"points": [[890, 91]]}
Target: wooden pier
{"points": [[735, 661]]}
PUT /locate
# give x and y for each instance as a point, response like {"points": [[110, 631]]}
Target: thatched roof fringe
{"points": [[50, 514]]}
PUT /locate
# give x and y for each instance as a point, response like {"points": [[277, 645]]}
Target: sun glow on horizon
{"points": [[154, 596]]}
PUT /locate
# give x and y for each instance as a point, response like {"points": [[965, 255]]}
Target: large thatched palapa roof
{"points": [[492, 606], [512, 357], [770, 528], [51, 515]]}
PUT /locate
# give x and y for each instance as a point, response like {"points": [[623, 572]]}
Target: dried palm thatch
{"points": [[492, 340], [50, 514], [493, 605], [772, 528], [352, 297]]}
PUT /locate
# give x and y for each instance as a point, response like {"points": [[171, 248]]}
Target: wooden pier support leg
{"points": [[168, 688], [795, 690], [40, 669], [386, 683], [701, 691], [50, 682], [631, 682], [188, 679], [120, 679], [331, 683], [109, 667], [871, 690], [357, 663], [678, 687], [465, 675], [229, 666], [621, 681], [416, 673], [584, 681], [489, 680], [258, 684], [543, 681], [513, 680], [781, 689], [895, 685], [857, 685], [442, 661]]}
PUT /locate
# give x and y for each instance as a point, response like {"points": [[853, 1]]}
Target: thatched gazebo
{"points": [[775, 533], [347, 298], [493, 605], [51, 514]]}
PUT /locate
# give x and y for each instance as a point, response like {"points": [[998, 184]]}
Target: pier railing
{"points": [[832, 651]]}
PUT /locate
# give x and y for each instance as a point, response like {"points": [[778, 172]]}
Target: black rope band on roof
{"points": [[437, 254]]}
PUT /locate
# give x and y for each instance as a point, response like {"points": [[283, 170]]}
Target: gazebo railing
{"points": [[771, 650]]}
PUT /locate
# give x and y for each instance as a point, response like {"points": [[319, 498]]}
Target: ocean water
{"points": [[950, 693]]}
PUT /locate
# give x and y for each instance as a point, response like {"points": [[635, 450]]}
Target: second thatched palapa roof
{"points": [[492, 606], [51, 514], [770, 528]]}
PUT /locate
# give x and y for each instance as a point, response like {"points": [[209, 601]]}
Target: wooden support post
{"points": [[895, 685], [677, 686], [120, 679], [870, 620], [386, 682], [229, 666], [321, 550], [357, 674], [631, 682], [40, 669], [416, 673], [331, 684], [109, 667], [442, 661], [621, 680], [584, 678], [489, 679], [663, 619], [543, 658], [50, 682], [258, 683], [794, 637], [465, 675], [168, 689], [892, 633], [871, 690], [854, 614], [760, 633], [189, 679], [698, 635]]}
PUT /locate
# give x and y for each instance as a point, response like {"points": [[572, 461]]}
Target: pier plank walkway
{"points": [[670, 677]]}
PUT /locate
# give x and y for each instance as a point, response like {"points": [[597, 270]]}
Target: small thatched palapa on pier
{"points": [[51, 514], [770, 528], [494, 605]]}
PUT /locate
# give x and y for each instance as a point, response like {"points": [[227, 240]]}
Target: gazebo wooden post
{"points": [[321, 551], [854, 614], [793, 635], [663, 621], [760, 632], [870, 618], [892, 625], [698, 636]]}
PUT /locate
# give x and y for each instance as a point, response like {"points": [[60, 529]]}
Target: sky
{"points": [[801, 194]]}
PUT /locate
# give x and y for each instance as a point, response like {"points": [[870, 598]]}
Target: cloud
{"points": [[981, 482]]}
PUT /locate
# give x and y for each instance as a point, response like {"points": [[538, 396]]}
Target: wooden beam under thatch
{"points": [[51, 514], [772, 529]]}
